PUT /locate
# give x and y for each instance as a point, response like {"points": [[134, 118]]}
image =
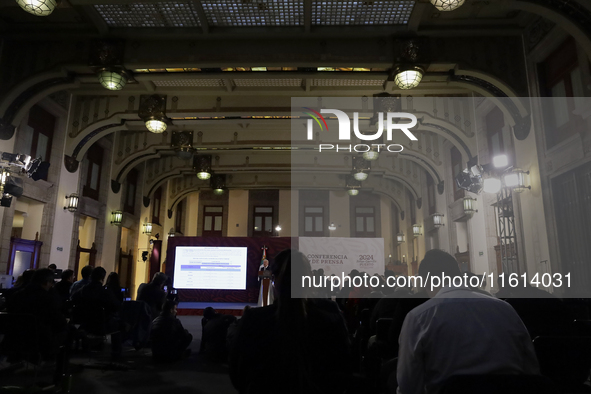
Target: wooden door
{"points": [[24, 255]]}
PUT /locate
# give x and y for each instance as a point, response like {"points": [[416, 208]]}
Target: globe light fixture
{"points": [[371, 155], [353, 185], [116, 218], [156, 126], [447, 5], [360, 176], [152, 112], [218, 184], [203, 175], [408, 77], [38, 7], [491, 185], [202, 165], [112, 79]]}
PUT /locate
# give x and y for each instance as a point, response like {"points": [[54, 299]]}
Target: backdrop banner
{"points": [[341, 255]]}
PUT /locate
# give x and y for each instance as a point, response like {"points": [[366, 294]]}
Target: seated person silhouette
{"points": [[170, 340], [214, 331], [459, 331], [291, 334]]}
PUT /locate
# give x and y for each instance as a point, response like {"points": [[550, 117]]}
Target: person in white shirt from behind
{"points": [[459, 331]]}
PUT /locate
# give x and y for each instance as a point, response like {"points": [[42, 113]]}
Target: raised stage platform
{"points": [[197, 308]]}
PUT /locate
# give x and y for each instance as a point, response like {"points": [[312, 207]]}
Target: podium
{"points": [[265, 294]]}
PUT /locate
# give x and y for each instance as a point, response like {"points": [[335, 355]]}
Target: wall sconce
{"points": [[202, 165], [438, 220], [171, 233], [116, 218], [72, 202], [153, 112], [516, 179], [332, 227], [4, 174], [38, 7], [353, 185], [417, 230], [218, 184], [361, 168], [278, 228], [400, 237], [147, 226], [469, 206]]}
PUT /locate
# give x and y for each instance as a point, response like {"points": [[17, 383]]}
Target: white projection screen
{"points": [[207, 267]]}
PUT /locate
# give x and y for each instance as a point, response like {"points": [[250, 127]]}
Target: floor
{"points": [[195, 375]]}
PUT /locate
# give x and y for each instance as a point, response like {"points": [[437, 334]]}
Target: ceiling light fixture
{"points": [[182, 143], [408, 77], [38, 7], [353, 185], [371, 155], [112, 79], [202, 165], [447, 5], [361, 168], [153, 112], [218, 184]]}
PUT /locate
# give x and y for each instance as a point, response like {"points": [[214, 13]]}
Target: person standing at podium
{"points": [[265, 272], [265, 266]]}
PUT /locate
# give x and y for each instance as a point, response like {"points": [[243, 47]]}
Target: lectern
{"points": [[265, 278]]}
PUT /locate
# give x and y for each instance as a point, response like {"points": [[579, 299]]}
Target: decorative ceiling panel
{"points": [[161, 14], [347, 82], [255, 13], [338, 13], [196, 82], [268, 82]]}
